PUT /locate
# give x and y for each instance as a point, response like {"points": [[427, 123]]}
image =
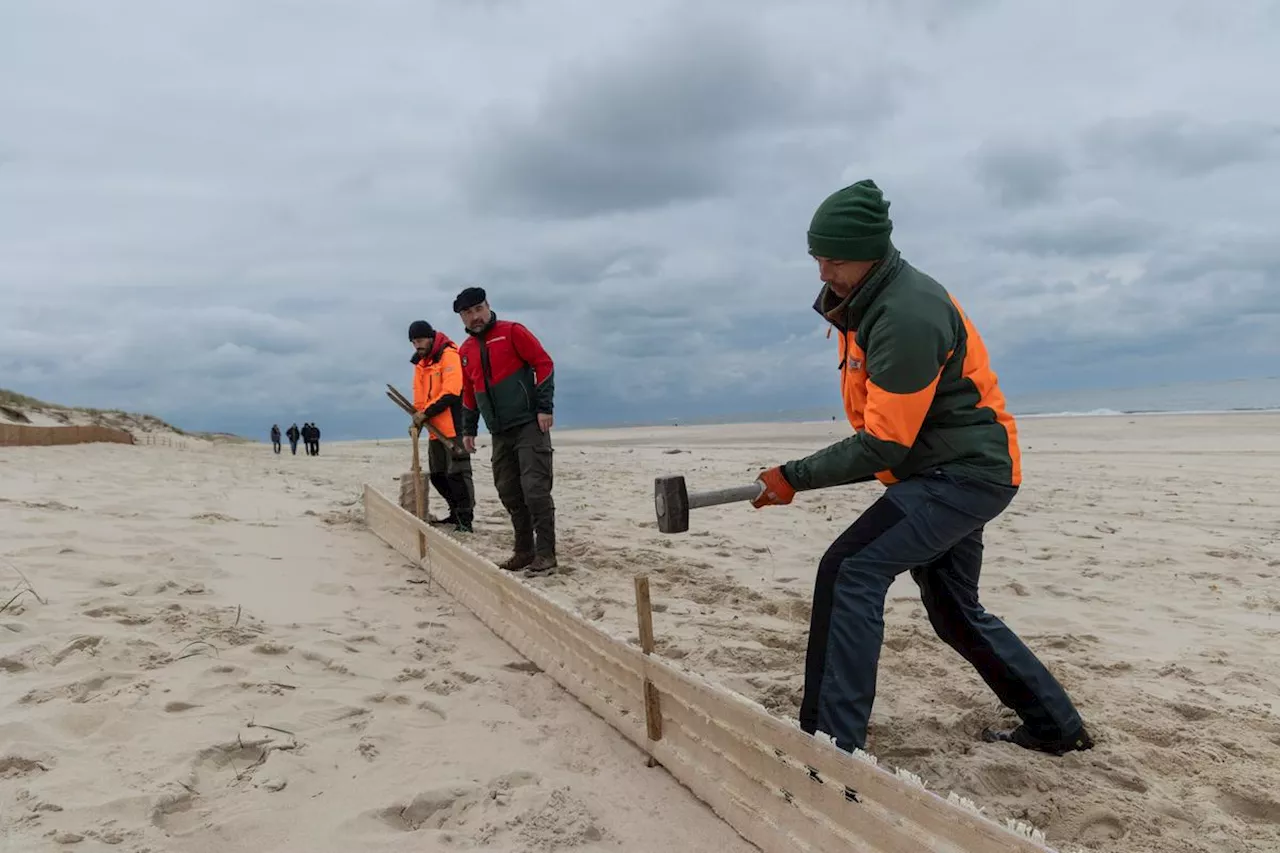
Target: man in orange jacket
{"points": [[437, 395]]}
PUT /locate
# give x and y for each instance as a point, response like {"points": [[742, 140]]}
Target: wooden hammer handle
{"points": [[403, 402]]}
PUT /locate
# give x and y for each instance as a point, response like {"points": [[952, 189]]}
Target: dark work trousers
{"points": [[293, 446], [452, 478], [930, 525], [275, 444], [522, 473]]}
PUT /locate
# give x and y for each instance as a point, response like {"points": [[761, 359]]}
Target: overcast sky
{"points": [[228, 212]]}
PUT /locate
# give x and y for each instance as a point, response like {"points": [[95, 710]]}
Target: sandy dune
{"points": [[219, 590]]}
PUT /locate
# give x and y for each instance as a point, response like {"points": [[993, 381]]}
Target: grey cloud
{"points": [[238, 238], [1094, 231], [1180, 144], [1020, 175], [667, 121]]}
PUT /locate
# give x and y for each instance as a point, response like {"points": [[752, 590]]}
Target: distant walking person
{"points": [[315, 439], [510, 379], [293, 434], [437, 396], [275, 437]]}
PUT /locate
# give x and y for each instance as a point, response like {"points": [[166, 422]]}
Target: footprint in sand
{"points": [[83, 690], [12, 665], [170, 810], [1252, 805], [466, 805], [408, 674], [123, 615], [1100, 825], [18, 767], [87, 644]]}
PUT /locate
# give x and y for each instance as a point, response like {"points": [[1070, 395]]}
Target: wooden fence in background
{"points": [[21, 435], [781, 789]]}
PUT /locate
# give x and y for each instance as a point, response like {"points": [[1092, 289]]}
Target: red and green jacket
{"points": [[507, 377], [918, 388]]}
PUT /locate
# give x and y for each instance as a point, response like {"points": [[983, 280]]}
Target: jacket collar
{"points": [[845, 314], [439, 344], [493, 320]]}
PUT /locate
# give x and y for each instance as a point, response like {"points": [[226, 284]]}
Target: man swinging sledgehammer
{"points": [[930, 423]]}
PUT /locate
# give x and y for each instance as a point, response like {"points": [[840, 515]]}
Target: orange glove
{"points": [[777, 491]]}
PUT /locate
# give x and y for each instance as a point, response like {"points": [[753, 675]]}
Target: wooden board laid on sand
{"points": [[779, 787]]}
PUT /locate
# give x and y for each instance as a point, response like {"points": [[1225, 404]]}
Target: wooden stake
{"points": [[419, 499], [652, 707]]}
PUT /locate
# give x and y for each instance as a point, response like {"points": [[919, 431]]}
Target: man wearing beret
{"points": [[437, 399], [509, 379], [930, 422]]}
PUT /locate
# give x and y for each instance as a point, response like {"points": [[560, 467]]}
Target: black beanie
{"points": [[469, 298], [421, 329]]}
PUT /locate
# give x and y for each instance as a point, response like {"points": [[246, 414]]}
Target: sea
{"points": [[1241, 395]]}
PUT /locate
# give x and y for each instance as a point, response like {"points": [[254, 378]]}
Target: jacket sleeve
{"points": [[529, 348], [905, 356], [419, 388], [470, 410], [451, 382]]}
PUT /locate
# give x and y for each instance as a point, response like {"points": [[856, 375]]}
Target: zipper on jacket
{"points": [[487, 371]]}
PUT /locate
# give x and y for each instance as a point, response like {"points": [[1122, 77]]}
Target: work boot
{"points": [[516, 561], [543, 564], [1020, 736], [463, 527], [446, 521]]}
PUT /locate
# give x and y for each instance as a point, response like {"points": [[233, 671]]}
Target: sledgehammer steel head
{"points": [[671, 503]]}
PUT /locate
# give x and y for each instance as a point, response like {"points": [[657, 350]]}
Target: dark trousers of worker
{"points": [[293, 446], [275, 445], [451, 477], [932, 526], [522, 473]]}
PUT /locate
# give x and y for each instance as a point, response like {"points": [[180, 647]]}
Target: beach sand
{"points": [[216, 590]]}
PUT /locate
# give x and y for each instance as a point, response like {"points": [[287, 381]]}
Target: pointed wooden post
{"points": [[652, 707], [419, 499]]}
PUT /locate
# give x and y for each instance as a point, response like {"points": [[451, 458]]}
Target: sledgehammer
{"points": [[672, 501]]}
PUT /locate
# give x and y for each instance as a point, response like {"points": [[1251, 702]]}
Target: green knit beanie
{"points": [[852, 224]]}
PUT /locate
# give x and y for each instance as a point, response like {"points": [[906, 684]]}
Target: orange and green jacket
{"points": [[437, 386], [918, 388]]}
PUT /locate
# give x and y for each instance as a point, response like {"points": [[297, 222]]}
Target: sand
{"points": [[218, 590]]}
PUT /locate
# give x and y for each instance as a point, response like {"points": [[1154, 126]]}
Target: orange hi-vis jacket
{"points": [[437, 385], [918, 388]]}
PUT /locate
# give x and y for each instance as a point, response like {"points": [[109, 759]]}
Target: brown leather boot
{"points": [[516, 561], [543, 564]]}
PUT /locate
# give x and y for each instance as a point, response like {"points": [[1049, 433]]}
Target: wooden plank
{"points": [[783, 813], [821, 802], [744, 817], [728, 750], [935, 814]]}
